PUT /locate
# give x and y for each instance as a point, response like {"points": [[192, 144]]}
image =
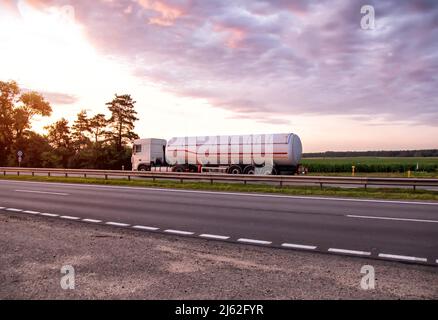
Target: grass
{"points": [[370, 193], [414, 174], [427, 166]]}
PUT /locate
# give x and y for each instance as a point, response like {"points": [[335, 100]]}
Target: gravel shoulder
{"points": [[115, 263]]}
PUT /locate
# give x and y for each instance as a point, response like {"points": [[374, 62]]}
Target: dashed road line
{"points": [[31, 212], [213, 236], [253, 241], [43, 192], [356, 252], [245, 240], [389, 218], [49, 214], [69, 217], [117, 224], [146, 228], [92, 220], [186, 233], [399, 257], [298, 246]]}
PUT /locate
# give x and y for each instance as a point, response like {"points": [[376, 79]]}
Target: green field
{"points": [[427, 166]]}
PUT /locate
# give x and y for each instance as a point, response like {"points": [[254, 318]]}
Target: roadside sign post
{"points": [[353, 170], [20, 157]]}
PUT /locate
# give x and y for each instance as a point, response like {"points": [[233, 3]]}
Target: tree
{"points": [[59, 137], [16, 114], [97, 126], [80, 129], [122, 120]]}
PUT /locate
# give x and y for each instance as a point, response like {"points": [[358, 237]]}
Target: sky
{"points": [[340, 78]]}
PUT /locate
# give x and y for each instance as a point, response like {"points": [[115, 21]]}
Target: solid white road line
{"points": [[69, 217], [2, 208], [213, 236], [223, 193], [13, 210], [298, 246], [92, 220], [178, 232], [361, 253], [407, 258], [436, 260], [49, 214], [253, 241], [43, 192], [146, 228], [117, 224], [31, 212], [388, 218]]}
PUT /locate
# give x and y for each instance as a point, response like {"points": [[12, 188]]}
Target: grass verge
{"points": [[370, 193]]}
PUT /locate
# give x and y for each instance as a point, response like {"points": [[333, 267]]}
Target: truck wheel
{"points": [[179, 169], [249, 170], [234, 170], [266, 170], [143, 168]]}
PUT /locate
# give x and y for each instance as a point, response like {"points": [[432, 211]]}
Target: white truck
{"points": [[244, 154]]}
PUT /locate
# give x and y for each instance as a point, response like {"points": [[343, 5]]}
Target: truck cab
{"points": [[147, 153]]}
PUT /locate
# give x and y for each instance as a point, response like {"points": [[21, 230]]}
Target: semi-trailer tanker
{"points": [[235, 154]]}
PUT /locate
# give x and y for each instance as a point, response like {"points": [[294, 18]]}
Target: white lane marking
{"points": [[146, 228], [13, 210], [43, 192], [117, 224], [361, 253], [436, 260], [2, 208], [407, 258], [69, 217], [298, 246], [213, 236], [223, 193], [92, 220], [254, 241], [49, 214], [31, 212], [178, 232], [388, 218]]}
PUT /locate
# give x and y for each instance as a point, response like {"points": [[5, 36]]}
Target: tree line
{"points": [[395, 153], [91, 141]]}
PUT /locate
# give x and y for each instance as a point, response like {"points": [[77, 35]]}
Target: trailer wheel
{"points": [[249, 170], [143, 168], [234, 170]]}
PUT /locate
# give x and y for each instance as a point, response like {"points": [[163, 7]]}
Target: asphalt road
{"points": [[380, 229]]}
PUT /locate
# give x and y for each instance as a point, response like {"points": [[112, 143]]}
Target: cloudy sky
{"points": [[198, 67]]}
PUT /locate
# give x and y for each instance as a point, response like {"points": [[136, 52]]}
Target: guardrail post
{"points": [[33, 174], [18, 173], [48, 174], [106, 177], [415, 188], [153, 179], [211, 181], [4, 173], [181, 180], [320, 184], [129, 178], [281, 184], [85, 175], [66, 175]]}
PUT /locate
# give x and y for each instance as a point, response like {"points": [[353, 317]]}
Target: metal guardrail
{"points": [[280, 180]]}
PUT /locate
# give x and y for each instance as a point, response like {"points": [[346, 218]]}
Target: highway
{"points": [[391, 230]]}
